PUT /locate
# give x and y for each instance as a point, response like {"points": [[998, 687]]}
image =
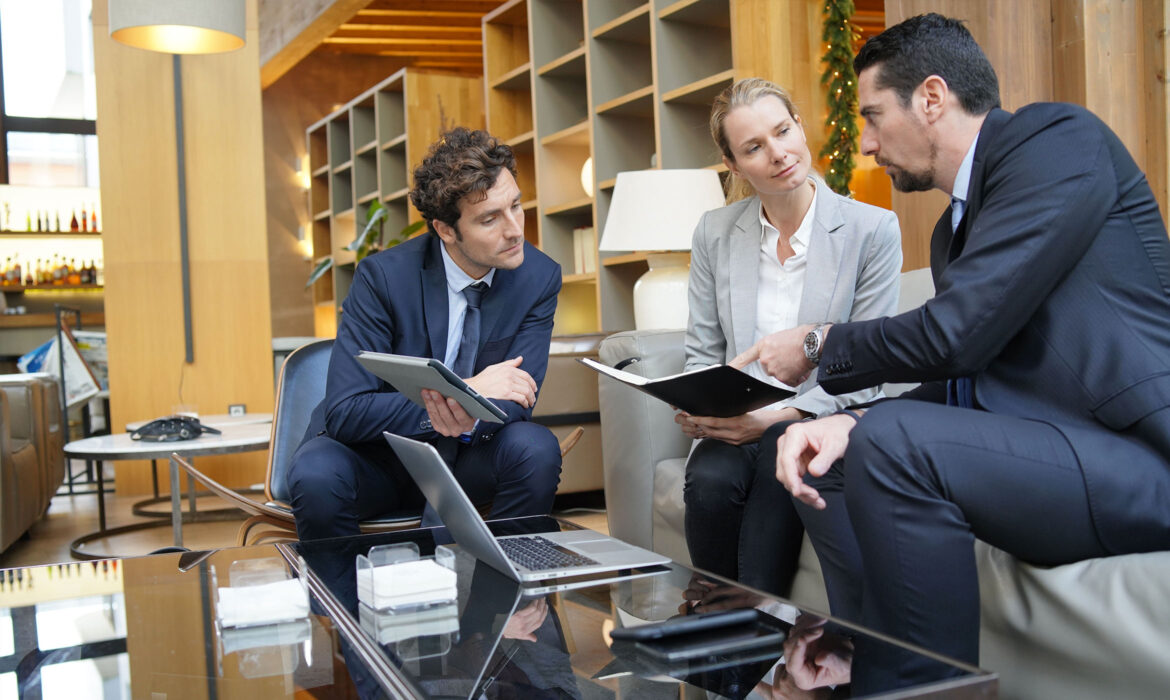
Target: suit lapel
{"points": [[823, 259], [434, 285], [991, 125], [743, 274]]}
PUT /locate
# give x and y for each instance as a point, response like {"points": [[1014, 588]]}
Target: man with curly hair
{"points": [[413, 299]]}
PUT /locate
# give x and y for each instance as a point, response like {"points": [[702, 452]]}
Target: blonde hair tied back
{"points": [[741, 93]]}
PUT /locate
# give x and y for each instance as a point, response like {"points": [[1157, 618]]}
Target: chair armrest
{"points": [[637, 431]]}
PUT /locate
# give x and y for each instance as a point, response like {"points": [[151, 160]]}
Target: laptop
{"points": [[524, 558]]}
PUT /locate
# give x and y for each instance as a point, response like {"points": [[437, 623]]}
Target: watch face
{"points": [[811, 345]]}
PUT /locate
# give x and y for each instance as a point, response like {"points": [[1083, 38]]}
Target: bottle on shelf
{"points": [[28, 221], [74, 273], [93, 220], [84, 220], [73, 225], [57, 221]]}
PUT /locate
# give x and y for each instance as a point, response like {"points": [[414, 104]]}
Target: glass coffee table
{"points": [[502, 639], [161, 626]]}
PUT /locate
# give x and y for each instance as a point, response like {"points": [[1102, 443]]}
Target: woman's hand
{"points": [[738, 430]]}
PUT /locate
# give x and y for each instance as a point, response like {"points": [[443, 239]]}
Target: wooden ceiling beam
{"points": [[408, 29], [308, 39], [379, 50], [479, 6], [461, 44]]}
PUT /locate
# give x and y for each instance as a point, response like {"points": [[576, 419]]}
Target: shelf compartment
{"points": [[679, 64], [522, 142], [571, 64], [706, 13], [396, 195], [638, 103], [392, 164], [341, 191], [510, 111], [620, 66], [580, 278], [505, 40], [562, 29], [396, 142], [322, 215], [342, 168], [391, 109], [620, 19], [519, 78], [686, 136], [576, 206], [321, 171], [702, 91], [576, 135], [367, 198], [366, 147], [622, 143], [339, 140], [362, 123]]}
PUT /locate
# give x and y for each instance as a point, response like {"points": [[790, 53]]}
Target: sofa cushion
{"points": [[1093, 629]]}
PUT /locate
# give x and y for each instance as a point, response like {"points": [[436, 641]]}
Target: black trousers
{"points": [[740, 522], [918, 483], [334, 486]]}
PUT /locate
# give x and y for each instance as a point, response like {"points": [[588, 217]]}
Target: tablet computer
{"points": [[410, 375]]}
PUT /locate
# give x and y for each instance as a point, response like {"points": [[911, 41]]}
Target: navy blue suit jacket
{"points": [[398, 304], [1053, 295]]}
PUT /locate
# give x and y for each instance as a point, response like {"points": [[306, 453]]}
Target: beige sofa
{"points": [[1099, 628], [32, 457]]}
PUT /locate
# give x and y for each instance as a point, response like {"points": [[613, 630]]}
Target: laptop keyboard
{"points": [[538, 553]]}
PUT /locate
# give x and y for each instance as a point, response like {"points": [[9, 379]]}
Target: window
{"points": [[48, 95]]}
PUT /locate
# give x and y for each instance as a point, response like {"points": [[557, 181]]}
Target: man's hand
{"points": [[525, 622], [447, 416], [736, 430], [507, 382], [781, 355], [811, 447], [703, 595], [815, 658]]}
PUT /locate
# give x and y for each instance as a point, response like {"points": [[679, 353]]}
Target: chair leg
{"points": [[571, 440]]}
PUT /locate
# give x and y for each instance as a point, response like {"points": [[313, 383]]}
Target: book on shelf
{"points": [[584, 250], [720, 391]]}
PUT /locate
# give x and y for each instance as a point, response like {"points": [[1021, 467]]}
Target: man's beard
{"points": [[921, 181]]}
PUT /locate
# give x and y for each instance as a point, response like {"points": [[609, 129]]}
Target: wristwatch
{"points": [[812, 344]]}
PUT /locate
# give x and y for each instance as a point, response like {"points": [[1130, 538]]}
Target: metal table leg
{"points": [[176, 512]]}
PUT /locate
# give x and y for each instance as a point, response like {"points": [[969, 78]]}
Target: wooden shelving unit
{"points": [[363, 153], [628, 83]]}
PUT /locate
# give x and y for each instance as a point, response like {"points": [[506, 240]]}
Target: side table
{"points": [[234, 439]]}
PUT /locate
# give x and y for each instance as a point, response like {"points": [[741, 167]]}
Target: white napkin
{"points": [[262, 604], [406, 583]]}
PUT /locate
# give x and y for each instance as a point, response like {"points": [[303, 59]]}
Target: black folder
{"points": [[720, 391]]}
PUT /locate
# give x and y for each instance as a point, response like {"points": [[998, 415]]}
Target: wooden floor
{"points": [[70, 516]]}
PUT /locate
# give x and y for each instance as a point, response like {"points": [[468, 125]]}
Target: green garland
{"points": [[839, 35]]}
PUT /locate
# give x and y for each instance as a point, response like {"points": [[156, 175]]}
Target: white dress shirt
{"points": [[781, 285], [457, 280]]}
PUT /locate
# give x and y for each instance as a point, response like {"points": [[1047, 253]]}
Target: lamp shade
{"points": [[179, 26], [658, 209]]}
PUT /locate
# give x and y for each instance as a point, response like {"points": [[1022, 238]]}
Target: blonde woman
{"points": [[789, 252]]}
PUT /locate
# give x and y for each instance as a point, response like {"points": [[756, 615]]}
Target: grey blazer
{"points": [[853, 261]]}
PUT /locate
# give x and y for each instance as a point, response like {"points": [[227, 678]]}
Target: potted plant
{"points": [[369, 241]]}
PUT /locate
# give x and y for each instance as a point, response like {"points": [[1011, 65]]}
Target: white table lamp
{"points": [[657, 210]]}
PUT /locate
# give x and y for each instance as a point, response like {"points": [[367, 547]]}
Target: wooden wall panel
{"points": [[227, 240], [788, 54], [312, 89], [1108, 55]]}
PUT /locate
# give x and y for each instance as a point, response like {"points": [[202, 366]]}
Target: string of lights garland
{"points": [[839, 36]]}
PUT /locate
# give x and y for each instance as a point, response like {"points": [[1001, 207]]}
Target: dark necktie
{"points": [[469, 342]]}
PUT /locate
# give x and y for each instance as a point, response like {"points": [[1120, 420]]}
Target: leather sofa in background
{"points": [[32, 456], [1098, 628]]}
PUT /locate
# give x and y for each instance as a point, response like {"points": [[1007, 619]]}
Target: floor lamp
{"points": [[657, 210], [180, 27]]}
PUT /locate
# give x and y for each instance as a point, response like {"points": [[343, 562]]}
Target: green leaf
{"points": [[373, 230], [321, 268], [409, 230]]}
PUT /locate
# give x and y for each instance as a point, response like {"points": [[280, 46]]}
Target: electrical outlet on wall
{"points": [[237, 409]]}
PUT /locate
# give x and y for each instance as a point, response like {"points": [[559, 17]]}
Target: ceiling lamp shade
{"points": [[178, 26]]}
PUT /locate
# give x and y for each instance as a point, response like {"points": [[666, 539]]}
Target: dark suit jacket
{"points": [[1053, 295], [398, 304]]}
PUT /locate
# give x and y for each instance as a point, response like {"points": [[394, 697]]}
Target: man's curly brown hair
{"points": [[462, 163]]}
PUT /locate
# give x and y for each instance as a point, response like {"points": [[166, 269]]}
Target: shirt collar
{"points": [[802, 232], [457, 279], [963, 177]]}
